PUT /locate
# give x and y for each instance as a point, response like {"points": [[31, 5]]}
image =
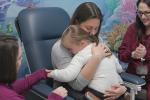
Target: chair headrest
{"points": [[43, 23]]}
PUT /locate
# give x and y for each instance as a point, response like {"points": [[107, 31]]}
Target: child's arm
{"points": [[71, 71]]}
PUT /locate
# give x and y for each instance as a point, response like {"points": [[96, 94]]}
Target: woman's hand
{"points": [[61, 91], [139, 52], [115, 92], [100, 50]]}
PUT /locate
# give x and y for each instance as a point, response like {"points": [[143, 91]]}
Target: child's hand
{"points": [[48, 72]]}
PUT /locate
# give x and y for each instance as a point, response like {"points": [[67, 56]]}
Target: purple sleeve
{"points": [[147, 56], [22, 85], [53, 96], [128, 44]]}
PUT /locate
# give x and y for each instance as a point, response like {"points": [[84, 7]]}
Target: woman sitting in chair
{"points": [[91, 22]]}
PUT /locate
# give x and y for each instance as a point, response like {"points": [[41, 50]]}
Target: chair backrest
{"points": [[38, 29]]}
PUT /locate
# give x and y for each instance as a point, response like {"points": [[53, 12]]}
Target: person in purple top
{"points": [[10, 60], [135, 47]]}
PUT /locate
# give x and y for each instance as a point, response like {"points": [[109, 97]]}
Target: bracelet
{"points": [[142, 59]]}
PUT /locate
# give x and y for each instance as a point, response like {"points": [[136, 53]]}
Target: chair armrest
{"points": [[133, 82], [132, 79], [42, 89]]}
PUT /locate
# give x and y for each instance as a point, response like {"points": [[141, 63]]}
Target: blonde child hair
{"points": [[77, 34]]}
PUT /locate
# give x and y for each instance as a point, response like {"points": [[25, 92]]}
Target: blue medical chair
{"points": [[38, 29]]}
